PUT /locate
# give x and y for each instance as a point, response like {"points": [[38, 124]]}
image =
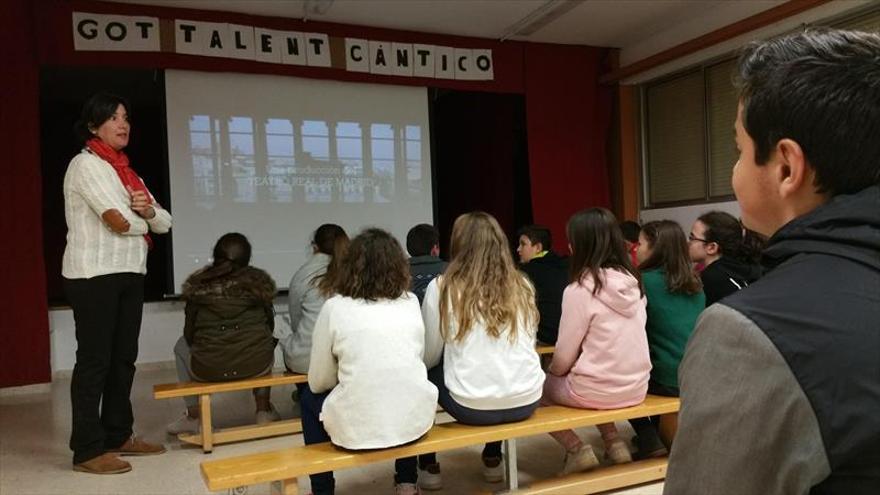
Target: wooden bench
{"points": [[281, 468], [208, 437]]}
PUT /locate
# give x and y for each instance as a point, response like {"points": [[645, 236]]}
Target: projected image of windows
{"points": [[414, 159], [274, 157], [350, 148], [204, 137], [242, 159], [280, 160], [383, 161], [303, 160]]}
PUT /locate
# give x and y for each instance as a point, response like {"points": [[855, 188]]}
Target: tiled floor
{"points": [[35, 460]]}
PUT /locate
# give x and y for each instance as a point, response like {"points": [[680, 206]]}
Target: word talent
{"points": [[101, 32]]}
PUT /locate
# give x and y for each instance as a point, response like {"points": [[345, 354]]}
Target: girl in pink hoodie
{"points": [[601, 359]]}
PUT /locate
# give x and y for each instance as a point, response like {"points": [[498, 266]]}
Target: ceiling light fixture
{"points": [[548, 12], [315, 7]]}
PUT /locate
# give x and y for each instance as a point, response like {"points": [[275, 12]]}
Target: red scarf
{"points": [[119, 161]]}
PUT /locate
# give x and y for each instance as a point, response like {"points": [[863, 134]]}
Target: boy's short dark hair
{"points": [[421, 239], [630, 230], [820, 88], [536, 234]]}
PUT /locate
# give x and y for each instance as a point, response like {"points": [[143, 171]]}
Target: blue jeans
{"points": [[314, 432], [477, 417]]}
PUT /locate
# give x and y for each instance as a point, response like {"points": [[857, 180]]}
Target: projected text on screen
{"points": [[274, 157]]}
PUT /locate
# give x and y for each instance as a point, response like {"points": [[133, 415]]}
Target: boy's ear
{"points": [[794, 172]]}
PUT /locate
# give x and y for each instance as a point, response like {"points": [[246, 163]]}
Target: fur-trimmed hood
{"points": [[248, 283]]}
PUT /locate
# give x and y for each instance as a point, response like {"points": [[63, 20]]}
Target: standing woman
{"points": [[109, 213]]}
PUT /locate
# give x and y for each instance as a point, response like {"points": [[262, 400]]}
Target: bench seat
{"points": [[284, 466], [208, 436]]}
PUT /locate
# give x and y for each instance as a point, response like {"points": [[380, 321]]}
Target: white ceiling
{"points": [[611, 23]]}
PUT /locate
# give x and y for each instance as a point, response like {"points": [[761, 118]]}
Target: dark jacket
{"points": [[780, 383], [549, 275], [726, 276], [229, 322], [423, 269]]}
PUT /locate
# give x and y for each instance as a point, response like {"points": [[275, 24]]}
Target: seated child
{"points": [[227, 334], [675, 300], [601, 359], [368, 385], [481, 320]]}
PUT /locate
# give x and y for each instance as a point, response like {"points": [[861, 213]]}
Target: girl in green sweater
{"points": [[675, 300]]}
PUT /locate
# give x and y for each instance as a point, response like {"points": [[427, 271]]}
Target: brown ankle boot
{"points": [[136, 446], [106, 463]]}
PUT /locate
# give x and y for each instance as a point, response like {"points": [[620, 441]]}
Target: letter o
{"points": [[121, 28]]}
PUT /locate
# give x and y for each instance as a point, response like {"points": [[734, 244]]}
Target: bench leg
{"points": [[284, 487], [510, 469], [205, 415], [668, 427], [239, 490]]}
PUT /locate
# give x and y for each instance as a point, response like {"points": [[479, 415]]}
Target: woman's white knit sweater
{"points": [[91, 187]]}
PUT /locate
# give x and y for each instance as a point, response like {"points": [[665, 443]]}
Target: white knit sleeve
{"points": [[161, 222], [98, 190]]}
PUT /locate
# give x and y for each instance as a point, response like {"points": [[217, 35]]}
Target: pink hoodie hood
{"points": [[620, 292]]}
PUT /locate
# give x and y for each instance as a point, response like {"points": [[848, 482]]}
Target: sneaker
{"points": [[266, 417], [648, 448], [184, 424], [106, 463], [429, 478], [618, 452], [136, 446], [406, 489], [580, 460], [493, 471]]}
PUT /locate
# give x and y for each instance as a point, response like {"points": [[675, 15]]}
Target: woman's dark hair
{"points": [[95, 111], [669, 252], [726, 231], [232, 253], [331, 240], [372, 268], [232, 248], [819, 88], [597, 243]]}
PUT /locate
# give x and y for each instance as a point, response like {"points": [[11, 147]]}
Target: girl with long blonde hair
{"points": [[480, 317]]}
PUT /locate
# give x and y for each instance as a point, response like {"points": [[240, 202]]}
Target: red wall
{"points": [[567, 113], [24, 323]]}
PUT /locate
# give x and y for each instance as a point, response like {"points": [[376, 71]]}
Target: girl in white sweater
{"points": [[480, 318], [368, 385]]}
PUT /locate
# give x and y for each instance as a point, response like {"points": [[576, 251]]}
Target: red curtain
{"points": [[24, 323], [568, 115]]}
